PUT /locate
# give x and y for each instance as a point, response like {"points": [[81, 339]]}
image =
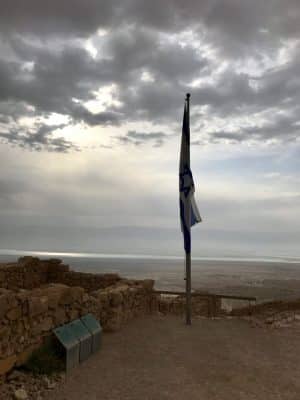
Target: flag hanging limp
{"points": [[186, 183]]}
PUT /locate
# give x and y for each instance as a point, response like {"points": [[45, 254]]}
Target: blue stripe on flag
{"points": [[185, 230]]}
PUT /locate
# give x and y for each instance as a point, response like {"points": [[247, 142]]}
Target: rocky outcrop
{"points": [[273, 314]]}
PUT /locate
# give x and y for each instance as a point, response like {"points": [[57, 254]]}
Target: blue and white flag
{"points": [[186, 183]]}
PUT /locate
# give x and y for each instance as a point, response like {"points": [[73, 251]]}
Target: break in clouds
{"points": [[109, 63]]}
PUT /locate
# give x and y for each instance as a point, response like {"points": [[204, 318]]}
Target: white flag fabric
{"points": [[186, 184]]}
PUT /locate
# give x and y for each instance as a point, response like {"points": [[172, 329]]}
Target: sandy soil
{"points": [[158, 358]]}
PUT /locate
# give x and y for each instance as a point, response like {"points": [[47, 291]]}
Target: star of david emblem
{"points": [[186, 181]]}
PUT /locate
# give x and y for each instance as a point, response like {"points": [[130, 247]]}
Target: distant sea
{"points": [[267, 278]]}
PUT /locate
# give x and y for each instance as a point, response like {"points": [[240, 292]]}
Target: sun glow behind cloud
{"points": [[104, 97]]}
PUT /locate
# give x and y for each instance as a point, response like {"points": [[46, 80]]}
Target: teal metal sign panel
{"points": [[70, 343], [80, 331], [95, 330]]}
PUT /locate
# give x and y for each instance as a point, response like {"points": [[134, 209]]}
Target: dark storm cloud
{"points": [[138, 138], [52, 84], [56, 17], [281, 126], [55, 79], [133, 48], [237, 28], [81, 114], [44, 67], [38, 139]]}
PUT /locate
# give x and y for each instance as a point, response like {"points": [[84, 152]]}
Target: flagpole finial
{"points": [[188, 95]]}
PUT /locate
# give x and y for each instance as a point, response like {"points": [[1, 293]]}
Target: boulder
{"points": [[20, 394]]}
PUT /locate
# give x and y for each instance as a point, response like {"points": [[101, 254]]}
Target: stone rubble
{"points": [[272, 315], [26, 386]]}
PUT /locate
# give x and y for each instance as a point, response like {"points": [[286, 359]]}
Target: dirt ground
{"points": [[159, 358]]}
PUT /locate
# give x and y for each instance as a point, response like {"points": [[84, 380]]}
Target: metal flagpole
{"points": [[188, 275], [189, 213]]}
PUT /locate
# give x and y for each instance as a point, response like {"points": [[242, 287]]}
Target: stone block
{"points": [[73, 314], [76, 293], [5, 331], [46, 324], [37, 305], [53, 293], [4, 305], [116, 297], [60, 316], [148, 284], [2, 277], [114, 321], [102, 297], [65, 296], [14, 313]]}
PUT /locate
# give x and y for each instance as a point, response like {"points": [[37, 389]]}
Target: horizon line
{"points": [[278, 259]]}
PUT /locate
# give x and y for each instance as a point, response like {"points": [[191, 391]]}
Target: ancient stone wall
{"points": [[27, 316], [30, 306], [23, 274], [90, 282], [37, 296], [209, 306], [269, 308], [31, 272]]}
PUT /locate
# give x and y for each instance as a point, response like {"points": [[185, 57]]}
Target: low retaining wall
{"points": [[27, 316], [30, 306], [269, 308], [175, 304]]}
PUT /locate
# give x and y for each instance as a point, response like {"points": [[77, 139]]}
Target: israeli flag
{"points": [[186, 183]]}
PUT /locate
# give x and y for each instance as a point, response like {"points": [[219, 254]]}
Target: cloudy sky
{"points": [[91, 102]]}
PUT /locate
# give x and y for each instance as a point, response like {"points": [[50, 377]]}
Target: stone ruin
{"points": [[38, 295]]}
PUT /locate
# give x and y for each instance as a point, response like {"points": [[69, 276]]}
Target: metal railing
{"points": [[211, 298]]}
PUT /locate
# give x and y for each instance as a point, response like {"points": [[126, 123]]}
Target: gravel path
{"points": [[159, 358]]}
